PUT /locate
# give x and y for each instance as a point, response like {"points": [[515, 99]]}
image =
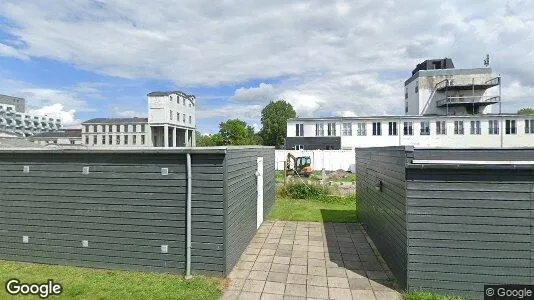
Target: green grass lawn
{"points": [[84, 283], [339, 210]]}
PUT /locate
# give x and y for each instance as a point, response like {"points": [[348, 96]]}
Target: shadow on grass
{"points": [[339, 215]]}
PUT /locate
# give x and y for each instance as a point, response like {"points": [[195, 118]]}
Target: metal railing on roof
{"points": [[468, 100]]}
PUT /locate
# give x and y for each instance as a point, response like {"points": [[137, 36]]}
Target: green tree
{"points": [[236, 132], [274, 118], [526, 111], [208, 140]]}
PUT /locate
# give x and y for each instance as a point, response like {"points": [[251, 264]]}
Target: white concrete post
{"points": [[194, 139], [174, 133], [186, 136], [166, 136]]}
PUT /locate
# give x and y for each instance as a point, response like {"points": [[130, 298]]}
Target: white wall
{"points": [[160, 108], [331, 160]]}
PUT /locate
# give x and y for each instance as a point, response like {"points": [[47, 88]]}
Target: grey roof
{"points": [[170, 93], [11, 142], [125, 149], [71, 133], [116, 120]]}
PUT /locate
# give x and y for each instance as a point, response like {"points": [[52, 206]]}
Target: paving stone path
{"points": [[309, 260]]}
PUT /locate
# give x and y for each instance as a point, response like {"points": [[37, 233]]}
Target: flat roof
{"points": [[408, 117], [116, 120], [445, 72], [82, 149]]}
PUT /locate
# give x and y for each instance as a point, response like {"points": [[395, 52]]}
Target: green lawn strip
{"points": [[85, 283], [428, 296], [339, 210]]}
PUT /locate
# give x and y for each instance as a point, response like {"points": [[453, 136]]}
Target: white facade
{"points": [[171, 122], [126, 132], [362, 131], [172, 119], [444, 107], [428, 91], [25, 124]]}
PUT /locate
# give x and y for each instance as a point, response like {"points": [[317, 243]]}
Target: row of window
{"points": [[184, 100], [441, 128], [178, 117], [108, 139], [115, 128]]}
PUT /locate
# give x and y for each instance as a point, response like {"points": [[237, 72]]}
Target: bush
{"points": [[422, 295], [303, 191]]}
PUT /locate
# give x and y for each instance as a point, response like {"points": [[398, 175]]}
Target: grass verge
{"points": [[428, 296], [85, 283], [336, 210]]}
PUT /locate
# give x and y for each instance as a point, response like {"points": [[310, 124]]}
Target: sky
{"points": [[82, 59]]}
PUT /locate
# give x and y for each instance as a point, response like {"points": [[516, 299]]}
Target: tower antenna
{"points": [[486, 61]]}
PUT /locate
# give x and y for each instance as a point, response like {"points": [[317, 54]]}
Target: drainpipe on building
{"points": [[188, 216]]}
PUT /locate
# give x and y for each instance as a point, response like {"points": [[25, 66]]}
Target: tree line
{"points": [[236, 132]]}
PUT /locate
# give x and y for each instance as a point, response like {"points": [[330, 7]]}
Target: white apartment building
{"points": [[171, 122], [445, 107], [109, 132], [14, 119]]}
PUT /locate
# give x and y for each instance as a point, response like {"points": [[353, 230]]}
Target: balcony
{"points": [[451, 85], [468, 100]]}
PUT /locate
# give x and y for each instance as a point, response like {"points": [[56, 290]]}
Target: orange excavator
{"points": [[301, 165]]}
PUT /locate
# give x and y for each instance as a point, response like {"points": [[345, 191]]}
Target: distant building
{"points": [[109, 132], [171, 122], [444, 107], [60, 137], [14, 119]]}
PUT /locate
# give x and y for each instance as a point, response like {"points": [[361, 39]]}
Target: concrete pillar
{"points": [[174, 135], [186, 138], [194, 138], [166, 136]]}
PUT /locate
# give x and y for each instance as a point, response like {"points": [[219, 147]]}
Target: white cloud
{"points": [[9, 51], [264, 92], [57, 111], [325, 57]]}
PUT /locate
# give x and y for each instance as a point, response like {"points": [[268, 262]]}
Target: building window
{"points": [[134, 128], [347, 129], [170, 97], [87, 140], [95, 140], [377, 128], [170, 114], [406, 107], [416, 87], [118, 139], [190, 120], [405, 93], [298, 147], [72, 142], [362, 130], [510, 127], [134, 139], [331, 129], [529, 126], [475, 127], [319, 129], [183, 117], [299, 129], [493, 126], [94, 128], [142, 127], [142, 139], [126, 128], [425, 128], [103, 140], [126, 140], [178, 99], [110, 139], [109, 128], [103, 128], [392, 128], [458, 127], [408, 128], [441, 127]]}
